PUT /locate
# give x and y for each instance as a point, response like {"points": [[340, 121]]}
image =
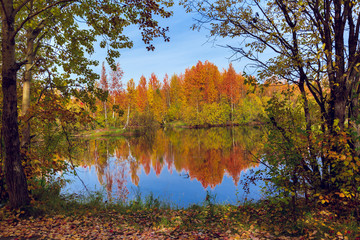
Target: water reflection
{"points": [[208, 156]]}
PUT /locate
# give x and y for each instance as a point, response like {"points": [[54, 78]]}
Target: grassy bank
{"points": [[107, 132], [180, 124], [133, 130], [59, 217]]}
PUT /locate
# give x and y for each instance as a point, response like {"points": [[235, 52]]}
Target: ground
{"points": [[196, 223]]}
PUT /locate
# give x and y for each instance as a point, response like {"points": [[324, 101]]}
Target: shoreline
{"points": [[134, 130]]}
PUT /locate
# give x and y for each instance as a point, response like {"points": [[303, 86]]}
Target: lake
{"points": [[177, 166]]}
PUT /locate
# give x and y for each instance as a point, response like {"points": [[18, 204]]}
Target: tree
{"points": [[231, 87], [176, 95], [116, 88], [154, 82], [155, 98], [314, 46], [141, 94], [201, 82], [130, 99], [102, 17], [43, 41], [166, 90], [104, 85]]}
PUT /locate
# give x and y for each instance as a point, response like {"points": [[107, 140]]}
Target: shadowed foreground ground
{"points": [[225, 222]]}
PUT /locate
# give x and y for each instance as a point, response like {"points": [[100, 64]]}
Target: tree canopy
{"points": [[311, 43], [314, 45], [57, 34]]}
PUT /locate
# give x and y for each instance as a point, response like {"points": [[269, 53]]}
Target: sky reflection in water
{"points": [[178, 167]]}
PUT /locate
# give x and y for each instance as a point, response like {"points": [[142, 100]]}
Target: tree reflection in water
{"points": [[203, 154]]}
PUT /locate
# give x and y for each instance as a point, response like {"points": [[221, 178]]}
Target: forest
{"points": [[201, 97], [304, 97]]}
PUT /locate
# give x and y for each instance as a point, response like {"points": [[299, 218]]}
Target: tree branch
{"points": [[38, 12], [21, 6], [4, 10]]}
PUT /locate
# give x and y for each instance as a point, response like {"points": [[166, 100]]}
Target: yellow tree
{"points": [[177, 98], [141, 99], [157, 106], [130, 99]]}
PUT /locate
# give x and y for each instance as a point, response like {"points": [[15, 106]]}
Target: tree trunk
{"points": [[339, 96], [354, 113], [25, 141], [340, 108], [113, 112], [14, 173], [232, 110], [314, 173], [105, 112], [127, 119], [337, 121]]}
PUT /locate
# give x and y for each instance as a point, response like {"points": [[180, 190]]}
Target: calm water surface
{"points": [[177, 166]]}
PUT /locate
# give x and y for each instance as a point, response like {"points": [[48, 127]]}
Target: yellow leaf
{"points": [[353, 165]]}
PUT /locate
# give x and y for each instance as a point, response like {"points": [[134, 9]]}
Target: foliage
{"points": [[294, 171], [202, 96], [173, 112], [47, 36], [250, 110], [54, 119], [71, 216], [313, 137], [215, 114]]}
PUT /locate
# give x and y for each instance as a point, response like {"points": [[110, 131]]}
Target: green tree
{"points": [[102, 17]]}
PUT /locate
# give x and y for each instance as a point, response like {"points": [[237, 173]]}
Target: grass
{"points": [[150, 217], [175, 124], [107, 132], [112, 131]]}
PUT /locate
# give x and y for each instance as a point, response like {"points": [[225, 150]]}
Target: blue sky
{"points": [[185, 49]]}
